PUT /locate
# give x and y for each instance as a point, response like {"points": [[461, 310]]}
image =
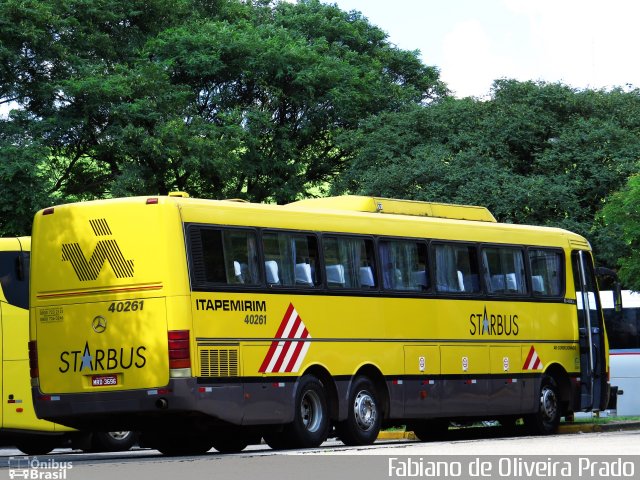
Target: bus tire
{"points": [[230, 441], [310, 425], [38, 444], [364, 416], [112, 441], [547, 419], [430, 430], [277, 440], [173, 445]]}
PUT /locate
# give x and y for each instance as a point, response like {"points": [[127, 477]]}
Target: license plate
{"points": [[104, 380]]}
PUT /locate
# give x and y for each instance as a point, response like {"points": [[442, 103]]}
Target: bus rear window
{"points": [[15, 285]]}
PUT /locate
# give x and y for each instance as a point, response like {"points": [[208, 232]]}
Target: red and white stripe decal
{"points": [[285, 354], [533, 361]]}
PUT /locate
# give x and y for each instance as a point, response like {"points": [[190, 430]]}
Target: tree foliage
{"points": [[621, 214], [274, 101], [536, 153], [222, 98]]}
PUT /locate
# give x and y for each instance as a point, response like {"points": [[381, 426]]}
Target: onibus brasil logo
{"points": [[31, 467], [106, 250]]}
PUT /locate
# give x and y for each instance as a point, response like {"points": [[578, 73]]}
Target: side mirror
{"points": [[617, 297], [20, 267]]}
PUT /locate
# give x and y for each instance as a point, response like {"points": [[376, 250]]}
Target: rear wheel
{"points": [[38, 445], [547, 419], [230, 441], [364, 416], [310, 425], [278, 440]]}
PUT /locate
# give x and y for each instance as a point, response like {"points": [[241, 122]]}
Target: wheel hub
{"points": [[365, 410], [548, 403], [311, 410]]}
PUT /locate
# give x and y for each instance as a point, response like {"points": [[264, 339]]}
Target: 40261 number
{"points": [[255, 319], [128, 306]]}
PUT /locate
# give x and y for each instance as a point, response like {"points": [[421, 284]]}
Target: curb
{"points": [[598, 427], [397, 435], [564, 428]]}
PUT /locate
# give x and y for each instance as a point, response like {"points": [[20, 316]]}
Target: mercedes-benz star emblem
{"points": [[99, 324]]}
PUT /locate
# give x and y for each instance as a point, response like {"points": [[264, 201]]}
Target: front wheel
{"points": [[364, 416], [112, 441], [547, 419]]}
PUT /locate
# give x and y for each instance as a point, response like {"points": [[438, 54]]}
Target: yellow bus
{"points": [[19, 425], [213, 323]]}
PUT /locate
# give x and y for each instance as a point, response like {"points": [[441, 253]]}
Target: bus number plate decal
{"points": [[51, 314], [104, 380]]}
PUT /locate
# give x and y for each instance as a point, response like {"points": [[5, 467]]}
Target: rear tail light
{"points": [[179, 350], [33, 359]]}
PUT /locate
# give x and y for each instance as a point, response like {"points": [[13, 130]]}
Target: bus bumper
{"points": [[183, 403]]}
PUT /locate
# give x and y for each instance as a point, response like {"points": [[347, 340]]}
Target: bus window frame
{"points": [[377, 290], [563, 273], [527, 272], [321, 286], [429, 267], [481, 293], [213, 287]]}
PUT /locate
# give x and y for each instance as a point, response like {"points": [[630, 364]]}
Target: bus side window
{"points": [[291, 259], [546, 272], [404, 265], [16, 289], [349, 262], [456, 268], [223, 256], [504, 271]]}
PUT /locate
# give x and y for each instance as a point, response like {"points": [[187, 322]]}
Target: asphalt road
{"points": [[334, 461]]}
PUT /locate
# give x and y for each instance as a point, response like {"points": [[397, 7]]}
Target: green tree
{"points": [[222, 98], [534, 153], [622, 214]]}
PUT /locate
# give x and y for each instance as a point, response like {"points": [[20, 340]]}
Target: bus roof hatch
{"points": [[359, 203]]}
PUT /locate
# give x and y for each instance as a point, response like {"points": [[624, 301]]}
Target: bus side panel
{"points": [[505, 391], [466, 389], [625, 374], [17, 404], [423, 387]]}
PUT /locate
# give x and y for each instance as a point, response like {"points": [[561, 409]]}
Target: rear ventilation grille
{"points": [[219, 362]]}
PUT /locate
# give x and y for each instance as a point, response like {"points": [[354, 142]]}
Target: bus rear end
{"points": [[108, 288]]}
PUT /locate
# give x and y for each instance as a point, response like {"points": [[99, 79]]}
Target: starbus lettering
{"points": [[231, 305], [102, 360], [491, 324]]}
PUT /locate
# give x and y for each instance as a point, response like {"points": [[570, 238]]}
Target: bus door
{"points": [[593, 377]]}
